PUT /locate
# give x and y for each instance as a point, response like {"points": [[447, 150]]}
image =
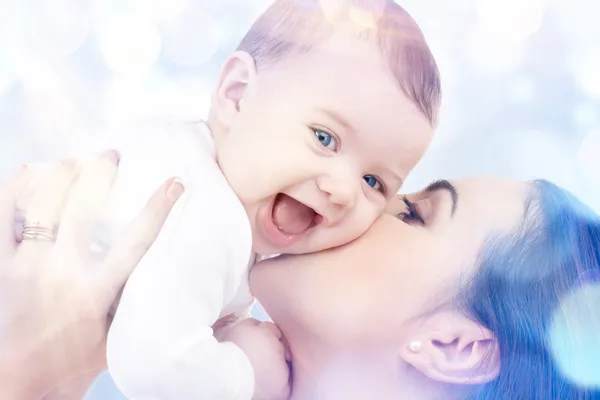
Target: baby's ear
{"points": [[236, 80], [451, 348]]}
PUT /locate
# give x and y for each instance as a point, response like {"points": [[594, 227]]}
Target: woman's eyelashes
{"points": [[332, 143], [411, 215]]}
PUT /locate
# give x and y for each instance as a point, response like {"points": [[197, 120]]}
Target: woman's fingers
{"points": [[87, 200], [10, 189], [46, 200], [139, 236]]}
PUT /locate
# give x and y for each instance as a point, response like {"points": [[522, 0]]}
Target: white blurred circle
{"points": [[366, 17], [585, 67], [586, 115], [574, 339], [421, 10], [542, 154], [157, 95], [61, 27], [578, 19], [492, 56], [511, 20], [358, 16], [185, 98], [164, 10], [157, 10], [191, 39], [534, 154], [333, 10], [125, 98], [130, 43], [522, 90], [17, 33], [589, 156], [6, 74], [48, 104], [250, 10], [103, 10]]}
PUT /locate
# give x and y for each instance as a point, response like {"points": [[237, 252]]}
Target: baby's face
{"points": [[320, 146]]}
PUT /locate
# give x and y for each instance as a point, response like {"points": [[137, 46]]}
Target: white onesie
{"points": [[161, 345]]}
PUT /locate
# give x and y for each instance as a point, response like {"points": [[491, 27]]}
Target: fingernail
{"points": [[112, 155], [175, 189]]}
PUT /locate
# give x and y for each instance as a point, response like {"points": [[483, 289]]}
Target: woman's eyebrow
{"points": [[444, 185]]}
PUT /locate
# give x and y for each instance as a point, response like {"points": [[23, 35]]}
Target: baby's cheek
{"points": [[362, 224]]}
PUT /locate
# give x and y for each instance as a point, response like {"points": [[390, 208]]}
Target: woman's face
{"points": [[357, 301]]}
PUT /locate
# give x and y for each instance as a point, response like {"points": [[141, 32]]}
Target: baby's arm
{"points": [[263, 343], [161, 345]]}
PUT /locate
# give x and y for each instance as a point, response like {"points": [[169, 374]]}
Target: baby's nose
{"points": [[343, 196], [340, 192]]}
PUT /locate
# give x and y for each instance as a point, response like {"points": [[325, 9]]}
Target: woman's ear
{"points": [[451, 348], [237, 80]]}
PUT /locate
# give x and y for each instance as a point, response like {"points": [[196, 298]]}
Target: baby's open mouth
{"points": [[292, 217]]}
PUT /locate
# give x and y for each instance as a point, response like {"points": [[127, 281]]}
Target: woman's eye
{"points": [[404, 217], [411, 215], [408, 217], [326, 140], [374, 182]]}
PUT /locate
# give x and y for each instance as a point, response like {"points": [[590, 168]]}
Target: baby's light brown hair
{"points": [[291, 27]]}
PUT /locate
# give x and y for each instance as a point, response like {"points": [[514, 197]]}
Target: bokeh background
{"points": [[521, 81]]}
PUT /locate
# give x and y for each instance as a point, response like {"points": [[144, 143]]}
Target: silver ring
{"points": [[37, 231]]}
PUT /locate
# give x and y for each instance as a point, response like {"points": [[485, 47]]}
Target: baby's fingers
{"points": [[272, 329]]}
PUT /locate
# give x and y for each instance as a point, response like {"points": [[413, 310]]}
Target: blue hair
{"points": [[521, 286]]}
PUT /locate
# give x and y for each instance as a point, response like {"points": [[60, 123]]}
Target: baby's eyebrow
{"points": [[337, 117], [443, 184]]}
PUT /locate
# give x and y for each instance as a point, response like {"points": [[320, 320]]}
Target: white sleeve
{"points": [[161, 345]]}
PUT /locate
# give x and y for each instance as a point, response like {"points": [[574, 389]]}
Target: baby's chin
{"points": [[266, 250]]}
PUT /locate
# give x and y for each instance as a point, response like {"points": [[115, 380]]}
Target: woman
{"points": [[468, 290], [454, 295]]}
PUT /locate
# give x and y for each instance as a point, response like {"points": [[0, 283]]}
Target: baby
{"points": [[314, 124]]}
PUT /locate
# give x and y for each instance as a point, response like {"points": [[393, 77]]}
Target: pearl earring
{"points": [[415, 346]]}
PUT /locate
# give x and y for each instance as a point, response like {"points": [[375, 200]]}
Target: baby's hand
{"points": [[262, 343]]}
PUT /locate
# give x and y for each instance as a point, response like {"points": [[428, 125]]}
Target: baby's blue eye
{"points": [[326, 139], [373, 182]]}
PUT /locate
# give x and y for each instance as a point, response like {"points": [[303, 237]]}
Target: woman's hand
{"points": [[54, 298]]}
